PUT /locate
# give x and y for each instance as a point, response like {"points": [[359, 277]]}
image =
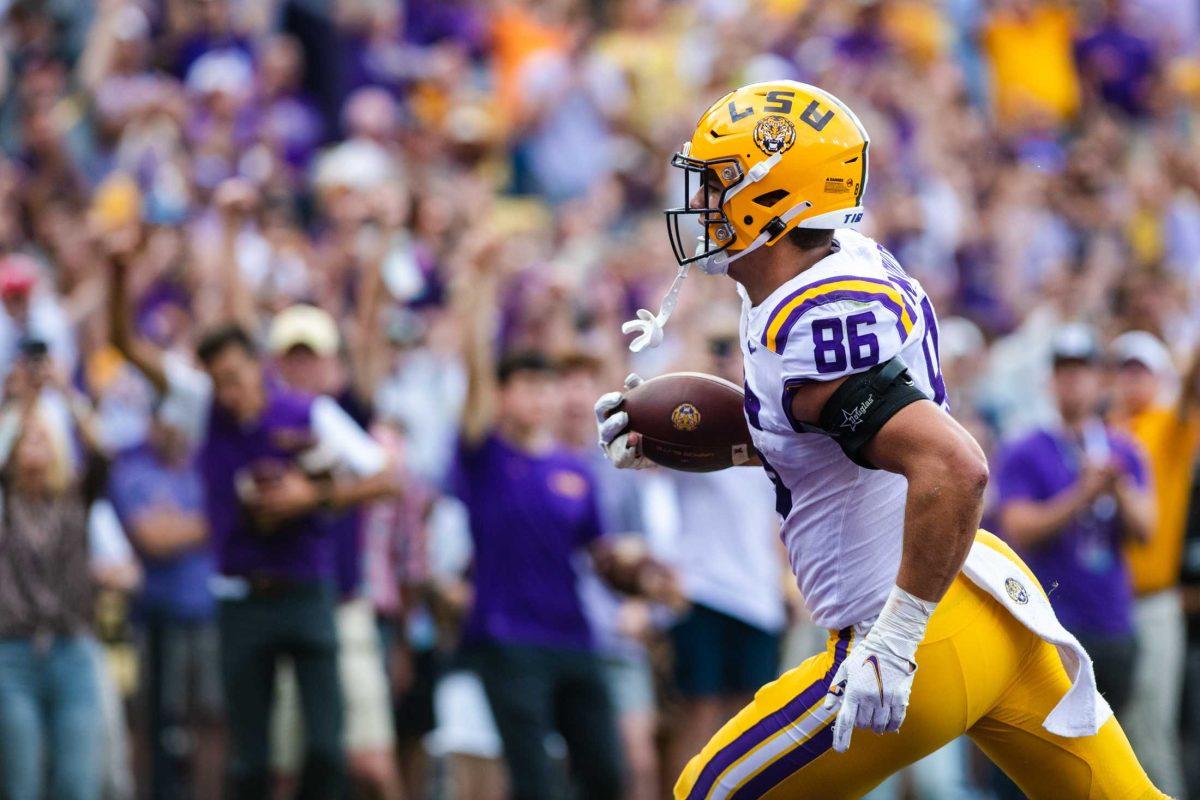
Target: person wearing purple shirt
{"points": [[157, 492], [1117, 64], [1069, 495], [533, 513], [274, 462], [305, 351], [289, 120]]}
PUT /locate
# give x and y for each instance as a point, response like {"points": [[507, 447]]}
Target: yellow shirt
{"points": [[1171, 449], [1033, 67]]}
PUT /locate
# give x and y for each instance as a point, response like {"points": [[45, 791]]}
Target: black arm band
{"points": [[864, 402]]}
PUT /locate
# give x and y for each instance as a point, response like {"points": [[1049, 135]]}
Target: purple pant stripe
{"points": [[786, 765], [833, 297], [769, 725]]}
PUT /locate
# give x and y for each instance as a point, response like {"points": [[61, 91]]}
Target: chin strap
{"points": [[649, 326], [718, 263]]}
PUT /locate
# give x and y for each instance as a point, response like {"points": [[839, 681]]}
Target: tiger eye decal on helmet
{"points": [[774, 134]]}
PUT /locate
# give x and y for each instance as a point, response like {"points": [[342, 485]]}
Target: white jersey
{"points": [[842, 524]]}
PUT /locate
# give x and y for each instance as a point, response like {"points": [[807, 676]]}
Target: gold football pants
{"points": [[980, 672]]}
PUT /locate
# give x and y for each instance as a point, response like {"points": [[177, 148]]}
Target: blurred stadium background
{"points": [[382, 193]]}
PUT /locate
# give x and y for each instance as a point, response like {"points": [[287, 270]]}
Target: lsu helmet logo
{"points": [[774, 134], [1016, 591], [685, 417]]}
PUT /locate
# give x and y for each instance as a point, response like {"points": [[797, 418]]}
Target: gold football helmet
{"points": [[764, 159]]}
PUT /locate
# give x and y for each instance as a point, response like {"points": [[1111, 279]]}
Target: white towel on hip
{"points": [[1082, 710]]}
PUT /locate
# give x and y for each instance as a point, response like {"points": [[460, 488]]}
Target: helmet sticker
{"points": [[735, 115], [774, 134], [817, 123], [839, 185], [779, 102]]}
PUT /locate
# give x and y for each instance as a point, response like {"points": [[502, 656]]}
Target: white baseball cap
{"points": [[1075, 342], [304, 325], [1145, 349]]}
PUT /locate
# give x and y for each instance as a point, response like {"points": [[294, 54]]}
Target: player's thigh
{"points": [[938, 713], [1049, 767], [780, 747]]}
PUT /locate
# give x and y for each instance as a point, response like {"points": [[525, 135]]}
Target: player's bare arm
{"points": [[947, 474]]}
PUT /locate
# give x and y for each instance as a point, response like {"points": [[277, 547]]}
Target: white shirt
{"points": [[843, 524], [726, 549], [339, 439]]}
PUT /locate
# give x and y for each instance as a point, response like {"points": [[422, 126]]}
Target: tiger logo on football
{"points": [[685, 417]]}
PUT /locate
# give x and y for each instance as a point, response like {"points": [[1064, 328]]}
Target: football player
{"points": [[936, 628]]}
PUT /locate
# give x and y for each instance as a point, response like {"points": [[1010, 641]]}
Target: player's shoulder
{"points": [[851, 279]]}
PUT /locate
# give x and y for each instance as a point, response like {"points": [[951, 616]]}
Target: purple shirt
{"points": [[529, 516], [175, 586], [1093, 593], [1120, 64], [300, 549]]}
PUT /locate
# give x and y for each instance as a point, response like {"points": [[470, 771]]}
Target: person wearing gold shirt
{"points": [[1169, 433]]}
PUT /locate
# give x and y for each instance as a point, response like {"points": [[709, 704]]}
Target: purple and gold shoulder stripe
{"points": [[790, 309]]}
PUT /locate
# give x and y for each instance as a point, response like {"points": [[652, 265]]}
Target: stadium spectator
{"points": [[31, 313], [272, 460], [1169, 434], [532, 506], [1034, 76], [157, 492], [732, 570], [50, 696], [1044, 171], [1116, 63], [1190, 592], [304, 344], [401, 588], [621, 625], [118, 577], [1069, 498]]}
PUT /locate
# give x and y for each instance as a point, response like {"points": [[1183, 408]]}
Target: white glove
{"points": [[874, 682], [613, 428]]}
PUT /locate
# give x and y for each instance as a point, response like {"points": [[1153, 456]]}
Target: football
{"points": [[690, 421]]}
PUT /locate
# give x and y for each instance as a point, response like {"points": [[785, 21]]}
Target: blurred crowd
{"points": [[305, 304]]}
